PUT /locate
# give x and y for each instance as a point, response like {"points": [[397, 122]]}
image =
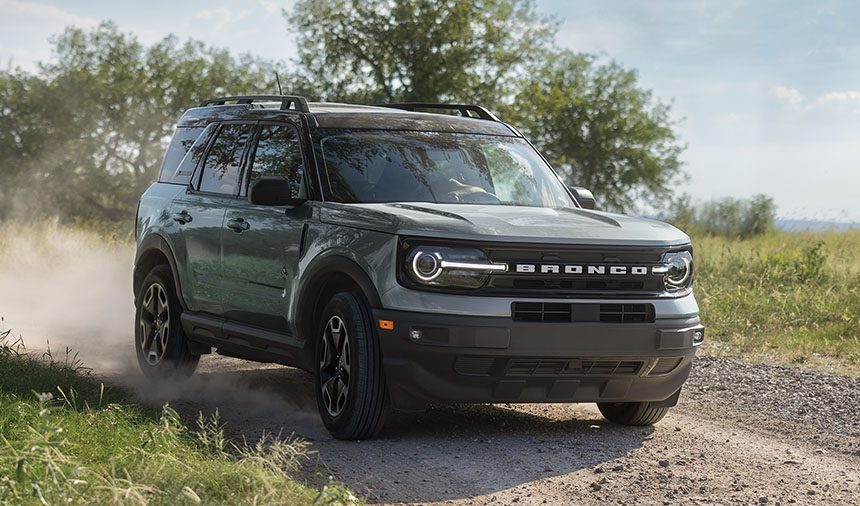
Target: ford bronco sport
{"points": [[405, 258]]}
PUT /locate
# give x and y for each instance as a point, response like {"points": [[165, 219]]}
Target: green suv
{"points": [[406, 255]]}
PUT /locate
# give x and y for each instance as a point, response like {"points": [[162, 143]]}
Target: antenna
{"points": [[280, 91]]}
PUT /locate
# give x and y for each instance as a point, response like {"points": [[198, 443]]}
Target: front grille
{"points": [[566, 285], [553, 367], [582, 313]]}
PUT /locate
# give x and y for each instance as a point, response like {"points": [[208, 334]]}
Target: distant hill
{"points": [[787, 225]]}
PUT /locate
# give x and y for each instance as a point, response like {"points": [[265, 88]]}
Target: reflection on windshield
{"points": [[445, 168]]}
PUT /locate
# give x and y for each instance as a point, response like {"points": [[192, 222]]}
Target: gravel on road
{"points": [[743, 433]]}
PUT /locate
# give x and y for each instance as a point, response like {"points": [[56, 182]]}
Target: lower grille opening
{"points": [[627, 313], [554, 367], [473, 366], [575, 312], [665, 365], [541, 312]]}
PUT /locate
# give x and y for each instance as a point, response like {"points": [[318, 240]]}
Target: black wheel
{"points": [[350, 379], [161, 345], [631, 413]]}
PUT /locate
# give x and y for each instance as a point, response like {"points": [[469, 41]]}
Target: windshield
{"points": [[444, 168]]}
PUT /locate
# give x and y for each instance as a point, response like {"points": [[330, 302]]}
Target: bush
{"points": [[728, 217]]}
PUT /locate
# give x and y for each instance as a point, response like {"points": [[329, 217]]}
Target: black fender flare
{"points": [[150, 244], [313, 287]]}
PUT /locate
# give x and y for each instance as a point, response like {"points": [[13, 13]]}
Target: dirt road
{"points": [[745, 434]]}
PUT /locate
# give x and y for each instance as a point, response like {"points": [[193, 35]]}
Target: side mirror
{"points": [[583, 196], [272, 191]]}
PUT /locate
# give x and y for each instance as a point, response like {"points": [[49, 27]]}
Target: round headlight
{"points": [[679, 270], [448, 267], [426, 266]]}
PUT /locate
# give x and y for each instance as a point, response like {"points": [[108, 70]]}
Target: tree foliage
{"points": [[86, 134], [370, 51], [601, 130]]}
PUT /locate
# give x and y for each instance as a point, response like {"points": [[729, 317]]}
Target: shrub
{"points": [[726, 217]]}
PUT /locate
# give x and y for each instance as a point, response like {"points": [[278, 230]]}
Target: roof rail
{"points": [[464, 109], [287, 101]]}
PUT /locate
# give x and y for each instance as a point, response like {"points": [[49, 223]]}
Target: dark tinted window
{"points": [[445, 168], [279, 154], [223, 162], [183, 139]]}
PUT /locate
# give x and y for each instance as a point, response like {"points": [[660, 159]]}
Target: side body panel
{"points": [[260, 262], [197, 247]]}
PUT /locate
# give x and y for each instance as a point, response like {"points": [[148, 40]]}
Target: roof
{"points": [[349, 116]]}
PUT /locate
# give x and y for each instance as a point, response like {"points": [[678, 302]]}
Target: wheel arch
{"points": [[327, 277], [154, 250]]}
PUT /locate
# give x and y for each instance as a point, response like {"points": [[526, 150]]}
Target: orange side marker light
{"points": [[386, 324]]}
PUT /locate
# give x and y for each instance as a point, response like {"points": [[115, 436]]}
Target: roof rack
{"points": [[464, 109], [287, 101]]}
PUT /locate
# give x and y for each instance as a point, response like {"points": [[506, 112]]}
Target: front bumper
{"points": [[469, 359]]}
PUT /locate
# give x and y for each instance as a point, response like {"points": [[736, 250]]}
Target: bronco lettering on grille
{"points": [[591, 270]]}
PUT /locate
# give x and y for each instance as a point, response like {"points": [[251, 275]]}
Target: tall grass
{"points": [[794, 293], [65, 439]]}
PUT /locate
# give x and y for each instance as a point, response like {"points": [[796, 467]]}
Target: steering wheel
{"points": [[479, 197]]}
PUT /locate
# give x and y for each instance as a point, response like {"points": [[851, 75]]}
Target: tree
{"points": [[600, 130], [592, 121], [86, 134], [370, 51]]}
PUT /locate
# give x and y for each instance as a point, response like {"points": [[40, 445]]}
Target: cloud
{"points": [[269, 7], [841, 97], [796, 101], [849, 98], [791, 96], [221, 16], [41, 12], [26, 27]]}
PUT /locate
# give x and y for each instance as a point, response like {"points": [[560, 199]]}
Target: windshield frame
{"points": [[320, 134]]}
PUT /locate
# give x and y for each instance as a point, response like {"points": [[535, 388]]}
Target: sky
{"points": [[766, 94]]}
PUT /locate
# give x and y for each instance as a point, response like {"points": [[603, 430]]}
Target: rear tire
{"points": [[631, 413], [350, 380], [160, 343]]}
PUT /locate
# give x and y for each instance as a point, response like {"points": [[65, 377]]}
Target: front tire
{"points": [[350, 379], [631, 413], [160, 343]]}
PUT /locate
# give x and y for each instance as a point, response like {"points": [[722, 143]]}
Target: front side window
{"points": [[279, 154], [224, 160], [444, 168]]}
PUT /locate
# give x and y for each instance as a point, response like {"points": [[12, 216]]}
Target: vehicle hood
{"points": [[504, 224]]}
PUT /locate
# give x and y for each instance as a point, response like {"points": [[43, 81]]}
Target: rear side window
{"points": [[183, 139], [224, 160], [279, 154]]}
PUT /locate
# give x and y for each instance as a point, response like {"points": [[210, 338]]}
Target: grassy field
{"points": [[66, 439], [791, 296]]}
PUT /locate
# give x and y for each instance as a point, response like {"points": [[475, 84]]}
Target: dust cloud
{"points": [[61, 287], [65, 288]]}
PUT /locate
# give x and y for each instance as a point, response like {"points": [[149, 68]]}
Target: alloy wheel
{"points": [[334, 366], [154, 323]]}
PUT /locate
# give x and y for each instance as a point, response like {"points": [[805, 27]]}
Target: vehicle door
{"points": [[200, 213], [261, 243]]}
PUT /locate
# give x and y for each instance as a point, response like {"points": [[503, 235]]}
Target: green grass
{"points": [[66, 439], [796, 295]]}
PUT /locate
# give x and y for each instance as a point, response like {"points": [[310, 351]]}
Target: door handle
{"points": [[238, 224], [182, 217]]}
